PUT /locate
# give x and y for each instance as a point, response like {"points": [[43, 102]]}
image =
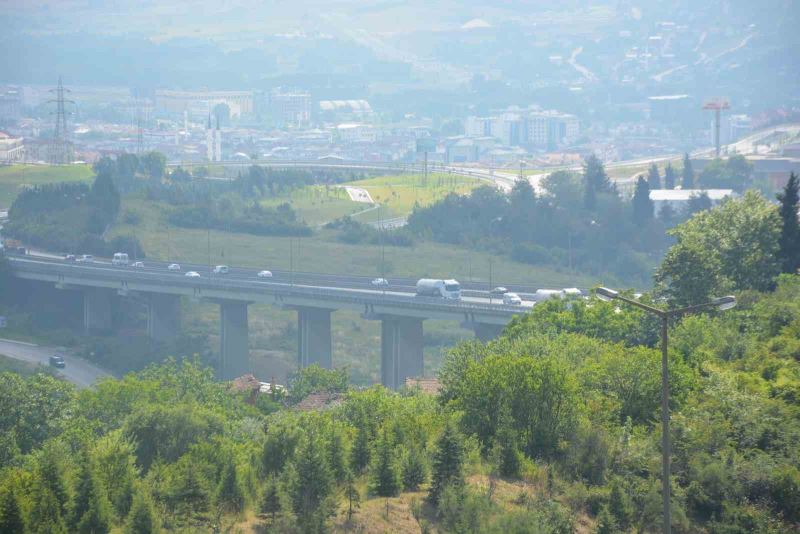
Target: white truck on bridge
{"points": [[446, 289]]}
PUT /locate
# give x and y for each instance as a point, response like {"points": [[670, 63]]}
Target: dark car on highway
{"points": [[57, 361]]}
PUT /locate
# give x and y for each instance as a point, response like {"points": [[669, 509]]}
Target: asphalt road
{"points": [[470, 291], [79, 372]]}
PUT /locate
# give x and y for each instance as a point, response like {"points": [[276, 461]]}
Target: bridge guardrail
{"points": [[367, 297]]}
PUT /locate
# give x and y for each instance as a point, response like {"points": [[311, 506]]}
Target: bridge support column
{"points": [[163, 316], [97, 309], [234, 343], [314, 337], [485, 332], [401, 350]]}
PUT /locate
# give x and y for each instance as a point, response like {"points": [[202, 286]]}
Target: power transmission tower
{"points": [[60, 151], [717, 105]]}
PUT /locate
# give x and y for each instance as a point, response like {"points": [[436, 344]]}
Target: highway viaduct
{"points": [[401, 313]]}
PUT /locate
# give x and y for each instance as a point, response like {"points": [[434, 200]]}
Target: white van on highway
{"points": [[120, 258], [221, 269]]}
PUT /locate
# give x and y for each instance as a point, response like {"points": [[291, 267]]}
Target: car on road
{"points": [[381, 282], [69, 257], [264, 274], [512, 299], [57, 361], [173, 267], [192, 274], [221, 269], [499, 290], [138, 264], [85, 258]]}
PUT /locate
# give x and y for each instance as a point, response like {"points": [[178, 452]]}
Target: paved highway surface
{"points": [[403, 288], [79, 372], [478, 290]]}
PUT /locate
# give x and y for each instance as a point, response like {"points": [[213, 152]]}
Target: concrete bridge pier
{"points": [[485, 332], [163, 316], [234, 343], [401, 350], [97, 309], [314, 337]]}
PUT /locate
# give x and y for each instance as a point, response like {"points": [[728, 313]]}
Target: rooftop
{"points": [[686, 194]]}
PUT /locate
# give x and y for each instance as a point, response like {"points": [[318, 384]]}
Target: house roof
{"points": [[319, 401], [430, 386], [686, 194]]}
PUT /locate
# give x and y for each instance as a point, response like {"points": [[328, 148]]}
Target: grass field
{"points": [[317, 205], [15, 177], [399, 193], [322, 253]]}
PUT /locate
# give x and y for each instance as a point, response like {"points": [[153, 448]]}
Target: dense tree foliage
{"points": [[71, 216], [555, 228], [732, 247], [789, 252]]}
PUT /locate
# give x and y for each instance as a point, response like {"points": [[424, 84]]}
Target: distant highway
{"points": [[79, 372], [473, 289]]}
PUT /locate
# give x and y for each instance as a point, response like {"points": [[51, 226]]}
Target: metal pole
{"points": [[665, 442], [490, 280]]}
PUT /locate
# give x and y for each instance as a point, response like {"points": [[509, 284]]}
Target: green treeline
{"points": [[579, 222]]}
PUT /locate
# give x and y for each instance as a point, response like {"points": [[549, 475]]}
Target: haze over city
{"points": [[380, 266]]}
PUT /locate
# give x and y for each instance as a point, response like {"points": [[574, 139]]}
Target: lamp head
{"points": [[725, 303], [605, 294]]}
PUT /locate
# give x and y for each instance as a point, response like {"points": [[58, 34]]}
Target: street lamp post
{"points": [[723, 303]]}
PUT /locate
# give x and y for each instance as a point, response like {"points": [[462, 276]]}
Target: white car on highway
{"points": [[512, 299], [264, 274], [174, 267], [221, 269], [138, 265], [192, 274], [85, 258], [380, 282]]}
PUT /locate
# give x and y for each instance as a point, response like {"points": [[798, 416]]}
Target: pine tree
{"points": [[335, 455], [595, 180], [669, 177], [46, 513], [667, 215], [271, 500], [619, 505], [414, 470], [310, 485], [641, 203], [142, 517], [789, 253], [606, 524], [10, 515], [448, 461], [687, 178], [653, 177], [385, 478], [228, 496], [360, 453], [352, 495], [698, 203], [50, 474], [505, 453], [91, 511]]}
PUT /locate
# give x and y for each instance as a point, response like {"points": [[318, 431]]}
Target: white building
{"points": [[356, 133], [290, 107], [679, 198], [11, 148], [201, 102], [526, 127]]}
